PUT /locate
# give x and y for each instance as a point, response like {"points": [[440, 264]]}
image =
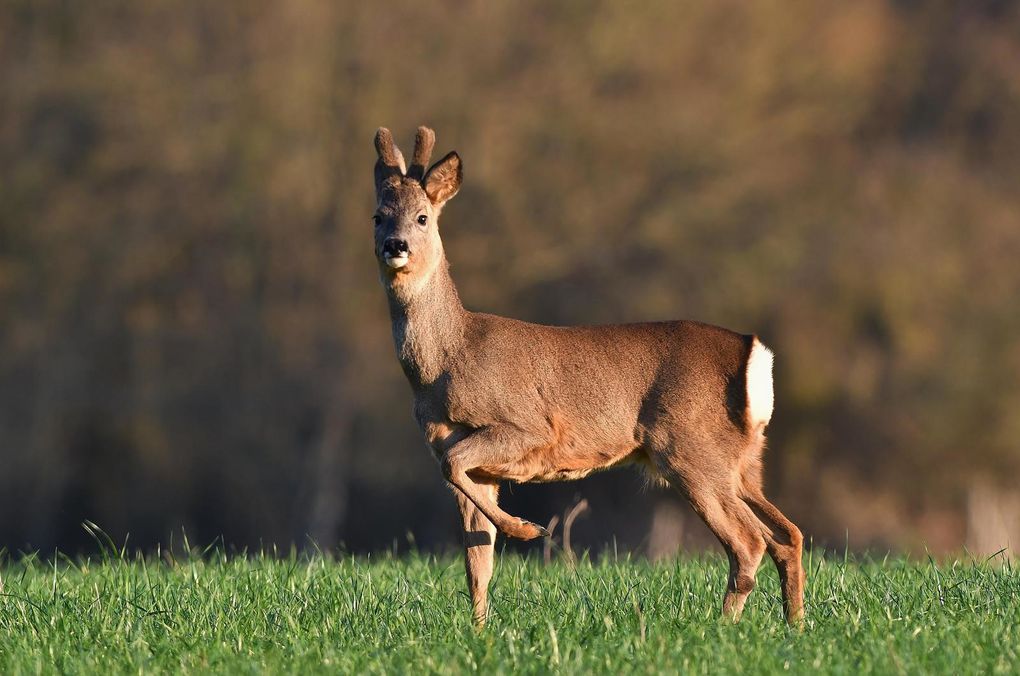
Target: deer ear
{"points": [[443, 180]]}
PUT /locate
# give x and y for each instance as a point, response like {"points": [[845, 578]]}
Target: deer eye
{"points": [[376, 219], [423, 219]]}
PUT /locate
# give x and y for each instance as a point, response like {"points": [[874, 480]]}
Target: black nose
{"points": [[394, 246]]}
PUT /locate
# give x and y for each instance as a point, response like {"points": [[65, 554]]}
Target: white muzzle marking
{"points": [[396, 262]]}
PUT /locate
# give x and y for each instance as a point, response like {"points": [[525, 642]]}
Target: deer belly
{"points": [[562, 475], [559, 463]]}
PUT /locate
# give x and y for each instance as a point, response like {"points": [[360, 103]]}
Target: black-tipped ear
{"points": [[390, 162], [444, 178]]}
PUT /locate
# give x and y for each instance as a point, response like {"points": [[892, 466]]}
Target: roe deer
{"points": [[501, 399]]}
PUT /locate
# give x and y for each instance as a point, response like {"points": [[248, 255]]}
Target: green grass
{"points": [[296, 614]]}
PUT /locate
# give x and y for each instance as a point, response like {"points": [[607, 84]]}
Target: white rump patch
{"points": [[760, 398]]}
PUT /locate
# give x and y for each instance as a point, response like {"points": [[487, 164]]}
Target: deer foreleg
{"points": [[479, 541], [489, 447]]}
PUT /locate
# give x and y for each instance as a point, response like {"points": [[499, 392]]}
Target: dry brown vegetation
{"points": [[193, 333]]}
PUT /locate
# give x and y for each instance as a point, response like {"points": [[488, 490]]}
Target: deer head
{"points": [[408, 203]]}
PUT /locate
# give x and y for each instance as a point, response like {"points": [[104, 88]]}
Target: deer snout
{"points": [[395, 252]]}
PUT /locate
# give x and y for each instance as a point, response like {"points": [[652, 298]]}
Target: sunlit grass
{"points": [[232, 614]]}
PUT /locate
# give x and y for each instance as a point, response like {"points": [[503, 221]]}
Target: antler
{"points": [[391, 161], [389, 153], [424, 141]]}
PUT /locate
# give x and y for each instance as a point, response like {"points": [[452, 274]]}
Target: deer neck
{"points": [[428, 324]]}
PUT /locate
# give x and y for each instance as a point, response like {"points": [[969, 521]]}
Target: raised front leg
{"points": [[479, 544], [487, 454]]}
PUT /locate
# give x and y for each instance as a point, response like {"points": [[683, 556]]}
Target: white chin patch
{"points": [[396, 262]]}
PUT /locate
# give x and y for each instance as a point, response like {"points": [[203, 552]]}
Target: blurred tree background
{"points": [[192, 332]]}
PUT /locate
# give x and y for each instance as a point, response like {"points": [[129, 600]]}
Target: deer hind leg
{"points": [[784, 543], [479, 544], [490, 447], [736, 528]]}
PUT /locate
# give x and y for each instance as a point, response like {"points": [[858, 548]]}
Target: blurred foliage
{"points": [[192, 329]]}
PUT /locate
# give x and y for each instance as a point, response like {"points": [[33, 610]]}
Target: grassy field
{"points": [[236, 614]]}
